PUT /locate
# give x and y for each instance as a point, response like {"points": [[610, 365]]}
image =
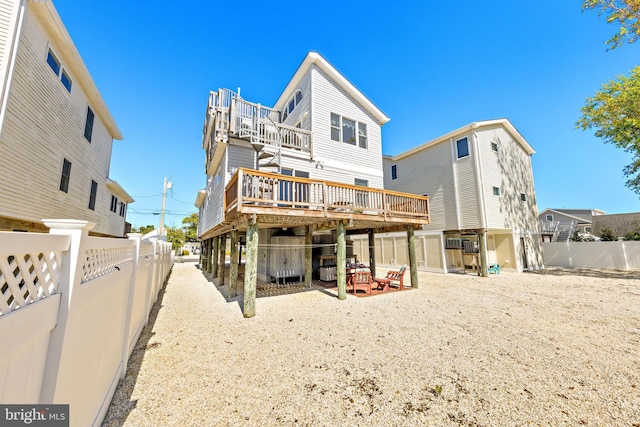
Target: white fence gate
{"points": [[72, 308], [619, 255]]}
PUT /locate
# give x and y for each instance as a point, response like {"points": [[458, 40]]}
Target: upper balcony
{"points": [[287, 200], [229, 116]]}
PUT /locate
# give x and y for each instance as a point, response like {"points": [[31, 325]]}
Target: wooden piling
{"points": [[251, 271], [413, 266], [233, 265], [341, 261]]}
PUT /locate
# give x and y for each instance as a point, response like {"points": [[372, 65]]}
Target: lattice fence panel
{"points": [[101, 261], [26, 278]]}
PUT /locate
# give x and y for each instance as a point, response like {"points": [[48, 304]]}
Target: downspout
{"points": [[13, 53]]}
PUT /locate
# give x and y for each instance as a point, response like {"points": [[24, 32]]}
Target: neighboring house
{"points": [[559, 225], [619, 224], [308, 170], [481, 194], [56, 132]]}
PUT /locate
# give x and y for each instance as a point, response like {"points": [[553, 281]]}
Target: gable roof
{"points": [[505, 123], [581, 215], [314, 58], [48, 17]]}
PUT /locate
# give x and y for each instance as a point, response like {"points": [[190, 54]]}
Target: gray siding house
{"points": [[480, 186], [298, 177], [56, 132]]}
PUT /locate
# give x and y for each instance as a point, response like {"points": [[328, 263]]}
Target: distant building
{"points": [[56, 132], [480, 186], [559, 225], [619, 224]]}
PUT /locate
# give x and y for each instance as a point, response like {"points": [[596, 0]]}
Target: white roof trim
{"points": [[314, 58], [46, 13], [465, 129], [117, 190]]}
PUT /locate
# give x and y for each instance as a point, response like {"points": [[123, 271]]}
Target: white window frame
{"points": [[359, 140]]}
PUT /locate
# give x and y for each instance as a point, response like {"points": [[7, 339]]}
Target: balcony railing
{"points": [[251, 191]]}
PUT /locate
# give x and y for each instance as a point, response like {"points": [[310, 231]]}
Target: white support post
{"points": [[127, 321], [69, 279]]}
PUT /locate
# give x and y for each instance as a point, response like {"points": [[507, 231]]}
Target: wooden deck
{"points": [[283, 200]]}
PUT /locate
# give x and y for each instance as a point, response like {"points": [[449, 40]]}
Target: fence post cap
{"points": [[69, 224]]}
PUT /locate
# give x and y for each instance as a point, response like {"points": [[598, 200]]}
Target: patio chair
{"points": [[395, 277], [361, 280]]}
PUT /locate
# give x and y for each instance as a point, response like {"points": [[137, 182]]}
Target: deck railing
{"points": [[249, 120], [255, 189]]}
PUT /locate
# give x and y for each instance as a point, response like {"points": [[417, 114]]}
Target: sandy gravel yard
{"points": [[554, 348]]}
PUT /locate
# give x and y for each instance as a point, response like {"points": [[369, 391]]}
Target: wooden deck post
{"points": [[213, 257], [308, 256], [482, 243], [233, 265], [222, 251], [341, 261], [413, 266], [372, 253], [203, 255], [251, 270]]}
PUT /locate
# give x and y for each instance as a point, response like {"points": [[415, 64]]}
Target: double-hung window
{"points": [[88, 124], [335, 127], [65, 176], [92, 195], [114, 203]]}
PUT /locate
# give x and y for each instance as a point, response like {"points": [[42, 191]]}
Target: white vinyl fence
{"points": [[72, 308], [619, 255]]}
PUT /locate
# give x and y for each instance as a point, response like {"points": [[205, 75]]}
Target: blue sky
{"points": [[430, 67]]}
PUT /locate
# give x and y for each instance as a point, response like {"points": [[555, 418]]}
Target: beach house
{"points": [[299, 177], [482, 201], [56, 132]]}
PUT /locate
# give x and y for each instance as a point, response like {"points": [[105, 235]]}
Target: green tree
{"points": [[190, 227], [624, 13], [614, 111], [144, 229], [175, 235]]}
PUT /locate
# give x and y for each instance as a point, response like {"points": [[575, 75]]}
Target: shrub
{"points": [[607, 235], [633, 235]]}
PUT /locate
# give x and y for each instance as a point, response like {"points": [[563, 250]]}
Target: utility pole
{"points": [[167, 185]]}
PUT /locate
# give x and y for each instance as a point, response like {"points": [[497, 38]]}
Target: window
{"points": [[292, 104], [362, 135], [92, 195], [123, 209], [462, 145], [58, 70], [88, 124], [394, 172], [66, 80], [335, 127], [494, 147], [65, 176], [344, 130], [496, 191], [53, 62], [348, 131], [361, 197], [549, 217], [523, 197], [114, 203]]}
